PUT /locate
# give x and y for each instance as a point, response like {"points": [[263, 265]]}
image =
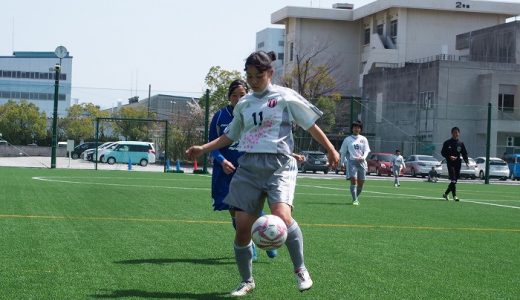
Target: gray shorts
{"points": [[357, 169], [262, 175]]}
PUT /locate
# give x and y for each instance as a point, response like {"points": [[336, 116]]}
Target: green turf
{"points": [[83, 234]]}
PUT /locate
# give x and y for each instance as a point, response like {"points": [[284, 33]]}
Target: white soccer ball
{"points": [[269, 232]]}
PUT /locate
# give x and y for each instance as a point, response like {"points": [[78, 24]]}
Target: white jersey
{"points": [[263, 123], [398, 162], [354, 147]]}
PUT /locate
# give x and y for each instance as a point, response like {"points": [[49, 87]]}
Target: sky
{"points": [[120, 47]]}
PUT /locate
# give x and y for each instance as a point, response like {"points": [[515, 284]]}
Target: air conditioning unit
{"points": [[343, 6], [510, 141]]}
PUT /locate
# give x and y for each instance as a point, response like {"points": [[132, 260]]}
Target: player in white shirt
{"points": [[354, 150], [397, 165], [262, 124]]}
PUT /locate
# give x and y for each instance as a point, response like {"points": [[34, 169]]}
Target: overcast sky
{"points": [[119, 47]]}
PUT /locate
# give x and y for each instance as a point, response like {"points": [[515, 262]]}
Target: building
{"points": [[30, 76], [382, 32], [165, 107], [420, 68], [272, 39]]}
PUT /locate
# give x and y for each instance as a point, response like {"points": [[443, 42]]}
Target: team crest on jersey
{"points": [[459, 148], [272, 102]]}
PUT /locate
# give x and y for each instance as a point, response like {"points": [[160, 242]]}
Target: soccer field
{"points": [[84, 234]]}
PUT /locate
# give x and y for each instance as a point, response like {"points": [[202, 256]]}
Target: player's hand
{"points": [[333, 157], [299, 157], [467, 165], [453, 157], [194, 152], [228, 167]]}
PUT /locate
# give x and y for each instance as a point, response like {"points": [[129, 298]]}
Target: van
{"points": [[513, 163], [133, 152]]}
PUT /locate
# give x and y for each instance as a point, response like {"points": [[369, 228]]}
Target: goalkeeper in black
{"points": [[452, 150]]}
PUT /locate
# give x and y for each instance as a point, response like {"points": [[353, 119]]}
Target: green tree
{"points": [[22, 123], [80, 123], [134, 130], [218, 81]]}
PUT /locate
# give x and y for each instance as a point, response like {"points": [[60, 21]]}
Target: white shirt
{"points": [[398, 161], [355, 146], [263, 122]]}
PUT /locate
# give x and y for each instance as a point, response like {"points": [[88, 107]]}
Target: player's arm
{"points": [[214, 134], [464, 154], [321, 138], [197, 150]]}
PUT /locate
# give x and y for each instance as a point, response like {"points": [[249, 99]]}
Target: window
{"points": [[426, 100], [393, 30], [280, 56], [366, 39], [291, 51], [280, 43], [260, 45], [506, 102], [380, 29]]}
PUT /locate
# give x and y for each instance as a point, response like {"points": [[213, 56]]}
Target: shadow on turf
{"points": [[160, 295], [197, 261]]}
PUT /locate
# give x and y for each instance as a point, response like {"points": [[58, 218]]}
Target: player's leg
{"points": [[244, 252], [454, 189], [361, 176], [451, 175], [353, 171]]}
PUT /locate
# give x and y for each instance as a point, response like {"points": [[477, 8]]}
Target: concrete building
{"points": [[420, 68], [383, 32], [30, 76], [166, 107], [272, 39]]}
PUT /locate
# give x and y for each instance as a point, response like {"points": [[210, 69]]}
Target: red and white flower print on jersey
{"points": [[272, 102], [248, 142]]}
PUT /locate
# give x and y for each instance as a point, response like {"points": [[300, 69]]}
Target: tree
{"points": [[218, 81], [22, 123], [80, 123], [311, 74], [134, 130]]}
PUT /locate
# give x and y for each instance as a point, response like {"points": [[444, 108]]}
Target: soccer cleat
{"points": [[445, 196], [456, 198], [303, 279], [244, 288], [255, 257], [272, 253], [356, 202]]}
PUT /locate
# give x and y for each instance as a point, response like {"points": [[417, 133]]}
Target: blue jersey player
{"points": [[225, 160]]}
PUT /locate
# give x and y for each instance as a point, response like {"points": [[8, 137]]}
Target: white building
{"points": [[30, 76], [383, 32], [272, 39]]}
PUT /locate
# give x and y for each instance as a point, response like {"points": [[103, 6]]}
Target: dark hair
{"points": [[235, 84], [397, 151], [455, 128], [357, 123], [260, 60]]}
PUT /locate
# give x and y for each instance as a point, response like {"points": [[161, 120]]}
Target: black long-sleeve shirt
{"points": [[455, 148]]}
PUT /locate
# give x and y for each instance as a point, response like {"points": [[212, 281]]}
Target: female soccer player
{"points": [[262, 124], [225, 160], [354, 150], [397, 165]]}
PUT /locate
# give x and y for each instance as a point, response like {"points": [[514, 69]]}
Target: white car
{"points": [[497, 168], [421, 165], [465, 171]]}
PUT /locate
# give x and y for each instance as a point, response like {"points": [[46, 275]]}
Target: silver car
{"points": [[470, 171], [497, 168], [421, 165]]}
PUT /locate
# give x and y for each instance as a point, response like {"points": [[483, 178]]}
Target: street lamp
{"points": [[60, 52]]}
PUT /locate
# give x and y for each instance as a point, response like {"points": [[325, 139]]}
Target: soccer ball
{"points": [[269, 232]]}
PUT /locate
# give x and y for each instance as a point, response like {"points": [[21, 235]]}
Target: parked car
{"points": [[470, 171], [497, 168], [421, 165], [141, 153], [89, 153], [380, 163], [79, 149], [513, 163], [314, 161]]}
